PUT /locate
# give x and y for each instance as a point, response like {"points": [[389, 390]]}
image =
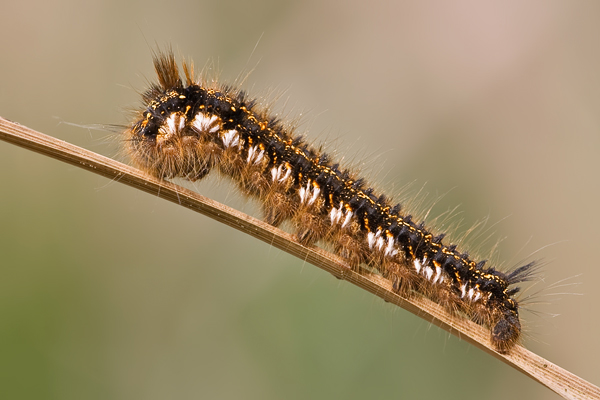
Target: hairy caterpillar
{"points": [[186, 129]]}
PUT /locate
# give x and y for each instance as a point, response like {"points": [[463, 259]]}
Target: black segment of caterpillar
{"points": [[186, 129]]}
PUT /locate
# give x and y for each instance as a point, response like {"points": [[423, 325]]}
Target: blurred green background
{"points": [[109, 293]]}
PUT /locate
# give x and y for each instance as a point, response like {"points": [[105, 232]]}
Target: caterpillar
{"points": [[187, 128]]}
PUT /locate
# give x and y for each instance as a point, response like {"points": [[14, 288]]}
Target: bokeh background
{"points": [[110, 293]]}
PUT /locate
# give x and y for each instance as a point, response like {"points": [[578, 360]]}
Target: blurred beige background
{"points": [[107, 292]]}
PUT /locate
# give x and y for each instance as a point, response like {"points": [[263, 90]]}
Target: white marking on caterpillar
{"points": [[370, 239], [315, 195], [428, 272], [231, 138], [277, 173], [205, 124], [375, 239], [333, 215], [173, 125], [438, 274], [348, 218], [302, 194], [336, 214], [309, 194], [389, 249], [417, 265], [274, 174], [288, 172], [254, 157], [380, 243], [259, 157], [251, 152], [471, 293]]}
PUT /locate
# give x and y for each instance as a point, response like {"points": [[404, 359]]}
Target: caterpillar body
{"points": [[187, 128]]}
